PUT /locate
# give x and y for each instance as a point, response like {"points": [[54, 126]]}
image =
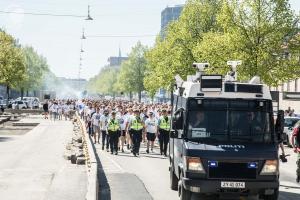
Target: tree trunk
{"points": [[27, 93], [130, 96], [7, 93], [22, 93], [140, 96]]}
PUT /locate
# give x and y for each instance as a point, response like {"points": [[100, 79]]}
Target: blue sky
{"points": [[58, 38]]}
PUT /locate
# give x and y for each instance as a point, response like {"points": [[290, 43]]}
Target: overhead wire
{"points": [[42, 14], [119, 36]]}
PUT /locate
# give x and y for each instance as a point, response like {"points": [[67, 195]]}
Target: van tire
{"points": [[274, 196], [182, 192], [173, 180]]}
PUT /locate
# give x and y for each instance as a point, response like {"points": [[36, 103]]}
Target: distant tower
{"points": [[120, 54]]}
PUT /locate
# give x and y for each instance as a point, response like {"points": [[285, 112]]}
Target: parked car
{"points": [[32, 102], [289, 123], [19, 105]]}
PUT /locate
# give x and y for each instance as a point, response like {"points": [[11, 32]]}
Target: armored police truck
{"points": [[222, 141]]}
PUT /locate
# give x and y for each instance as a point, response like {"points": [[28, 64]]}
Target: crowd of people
{"points": [[290, 112], [121, 125], [59, 109]]}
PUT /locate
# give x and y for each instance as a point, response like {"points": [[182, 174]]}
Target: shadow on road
{"points": [[142, 155], [289, 195], [5, 139], [104, 192]]}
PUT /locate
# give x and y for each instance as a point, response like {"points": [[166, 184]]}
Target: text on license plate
{"points": [[232, 184]]}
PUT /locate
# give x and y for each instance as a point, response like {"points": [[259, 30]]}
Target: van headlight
{"points": [[270, 168], [193, 164]]}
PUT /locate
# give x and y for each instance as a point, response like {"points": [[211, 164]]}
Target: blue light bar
{"points": [[212, 164], [252, 165]]}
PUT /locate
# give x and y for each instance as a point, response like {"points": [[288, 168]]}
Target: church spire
{"points": [[120, 54]]}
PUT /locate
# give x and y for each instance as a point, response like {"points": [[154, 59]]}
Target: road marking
{"points": [[114, 163]]}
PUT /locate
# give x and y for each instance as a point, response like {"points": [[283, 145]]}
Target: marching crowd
{"points": [[124, 124], [59, 109]]}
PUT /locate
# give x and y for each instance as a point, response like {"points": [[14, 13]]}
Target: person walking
{"points": [[296, 147], [164, 129], [96, 125], [103, 125], [46, 109], [136, 126], [151, 130], [122, 120], [113, 132]]}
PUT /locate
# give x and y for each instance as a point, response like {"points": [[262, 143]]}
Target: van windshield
{"points": [[226, 121]]}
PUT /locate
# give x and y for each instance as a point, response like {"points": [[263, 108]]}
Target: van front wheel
{"points": [[183, 193], [173, 180], [274, 196]]}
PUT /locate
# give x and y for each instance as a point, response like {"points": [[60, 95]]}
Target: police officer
{"points": [[164, 129], [113, 129], [136, 125]]}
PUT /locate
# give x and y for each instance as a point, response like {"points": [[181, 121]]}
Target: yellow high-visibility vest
{"points": [[113, 125], [136, 125], [164, 124]]}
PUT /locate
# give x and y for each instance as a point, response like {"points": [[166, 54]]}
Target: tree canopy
{"points": [[12, 61], [261, 33], [35, 68], [127, 78]]}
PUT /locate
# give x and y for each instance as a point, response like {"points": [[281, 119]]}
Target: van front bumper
{"points": [[207, 186]]}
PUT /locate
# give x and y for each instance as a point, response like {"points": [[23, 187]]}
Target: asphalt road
{"points": [[147, 177], [32, 165]]}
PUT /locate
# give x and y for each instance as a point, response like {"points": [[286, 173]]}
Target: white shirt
{"points": [[129, 119], [96, 119], [151, 125], [104, 122], [122, 121]]}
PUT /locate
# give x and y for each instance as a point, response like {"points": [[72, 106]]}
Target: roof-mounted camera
{"points": [[232, 74], [201, 66]]}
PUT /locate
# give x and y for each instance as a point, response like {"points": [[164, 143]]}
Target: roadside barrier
{"points": [[91, 163]]}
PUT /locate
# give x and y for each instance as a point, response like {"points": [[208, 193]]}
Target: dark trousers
{"points": [[298, 166], [163, 141], [136, 140], [105, 139], [90, 130], [113, 140]]}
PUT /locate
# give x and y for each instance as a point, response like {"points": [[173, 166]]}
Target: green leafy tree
{"points": [[132, 72], [12, 62], [104, 81], [258, 32], [175, 53], [36, 67]]}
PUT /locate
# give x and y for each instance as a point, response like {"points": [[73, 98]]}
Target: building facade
{"points": [[289, 95], [168, 15], [116, 61]]}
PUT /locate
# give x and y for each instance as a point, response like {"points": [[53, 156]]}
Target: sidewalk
{"points": [[32, 166]]}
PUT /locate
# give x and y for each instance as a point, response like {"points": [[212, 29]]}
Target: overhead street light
{"points": [[89, 16], [83, 35]]}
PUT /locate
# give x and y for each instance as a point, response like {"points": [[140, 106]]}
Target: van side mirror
{"points": [[279, 126], [178, 120], [173, 134]]}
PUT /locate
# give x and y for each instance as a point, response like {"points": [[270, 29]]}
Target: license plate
{"points": [[232, 184]]}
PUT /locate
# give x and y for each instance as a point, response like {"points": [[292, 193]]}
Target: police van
{"points": [[222, 141]]}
